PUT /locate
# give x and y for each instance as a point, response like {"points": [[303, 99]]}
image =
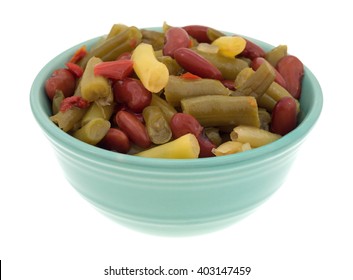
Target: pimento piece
{"points": [[75, 69], [73, 101], [78, 55], [189, 76], [116, 70]]}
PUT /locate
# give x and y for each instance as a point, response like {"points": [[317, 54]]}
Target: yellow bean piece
{"points": [[152, 73], [256, 137], [230, 46], [231, 147], [184, 147]]}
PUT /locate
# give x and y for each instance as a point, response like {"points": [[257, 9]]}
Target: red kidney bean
{"points": [[206, 146], [61, 79], [256, 63], [196, 64], [182, 123], [132, 92], [199, 32], [229, 84], [133, 128], [284, 116], [292, 70], [252, 50], [176, 38], [115, 140]]}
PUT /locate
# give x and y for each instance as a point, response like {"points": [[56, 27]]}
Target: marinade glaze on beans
{"points": [[183, 92]]}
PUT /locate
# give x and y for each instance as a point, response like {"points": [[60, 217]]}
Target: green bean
{"points": [[173, 67], [69, 119], [58, 97], [157, 126], [268, 100], [213, 134], [228, 66], [96, 110], [94, 87], [256, 137], [214, 34], [116, 29], [111, 48], [154, 38], [166, 108], [277, 92], [265, 119], [243, 75], [218, 110], [179, 88], [93, 131], [259, 82], [274, 55]]}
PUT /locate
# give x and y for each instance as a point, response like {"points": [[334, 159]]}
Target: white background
{"points": [[47, 231]]}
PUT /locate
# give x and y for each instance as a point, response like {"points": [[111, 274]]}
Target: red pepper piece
{"points": [[75, 69], [116, 70], [189, 76], [78, 55], [73, 101]]}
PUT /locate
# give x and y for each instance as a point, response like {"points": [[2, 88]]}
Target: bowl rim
{"points": [[75, 146]]}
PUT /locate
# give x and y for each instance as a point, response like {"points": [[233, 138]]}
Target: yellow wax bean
{"points": [[152, 73], [184, 147], [230, 46]]}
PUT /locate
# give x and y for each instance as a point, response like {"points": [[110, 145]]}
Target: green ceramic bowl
{"points": [[174, 196]]}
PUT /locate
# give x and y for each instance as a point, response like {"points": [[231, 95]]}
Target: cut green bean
{"points": [[94, 87], [228, 66], [95, 111], [256, 137], [212, 133], [116, 29], [274, 55], [157, 126], [93, 131], [179, 88], [154, 38], [173, 67], [268, 100], [259, 82], [218, 110], [265, 119], [69, 119], [214, 34], [166, 108], [111, 48], [57, 99]]}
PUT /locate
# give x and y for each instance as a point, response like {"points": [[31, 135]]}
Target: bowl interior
{"points": [[310, 103]]}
